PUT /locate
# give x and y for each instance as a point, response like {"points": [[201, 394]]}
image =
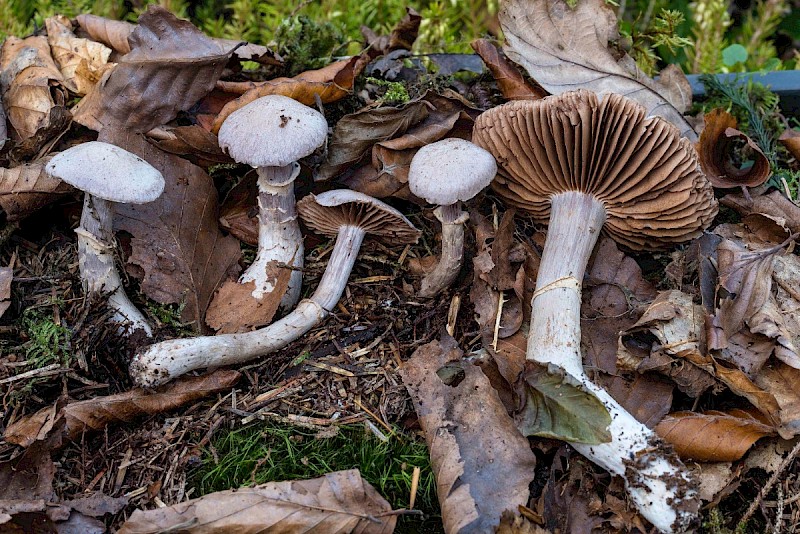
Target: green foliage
{"points": [[710, 22], [395, 93], [48, 342], [661, 33], [262, 453], [307, 44], [169, 316]]}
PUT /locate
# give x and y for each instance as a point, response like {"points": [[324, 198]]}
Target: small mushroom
{"points": [[271, 133], [107, 174], [589, 165], [446, 173], [348, 215]]}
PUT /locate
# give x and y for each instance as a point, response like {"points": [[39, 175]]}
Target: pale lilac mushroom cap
{"points": [[272, 131], [450, 170], [109, 172]]}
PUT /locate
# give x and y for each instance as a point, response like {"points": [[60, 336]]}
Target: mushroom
{"points": [[271, 133], [589, 165], [107, 174], [446, 173], [348, 215]]}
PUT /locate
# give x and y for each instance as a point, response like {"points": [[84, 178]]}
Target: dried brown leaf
{"points": [[791, 140], [647, 397], [27, 188], [194, 143], [113, 33], [565, 48], [6, 276], [719, 144], [773, 205], [780, 382], [98, 412], [712, 436], [510, 81], [82, 62], [234, 308], [171, 66], [330, 83], [337, 503], [482, 463], [239, 211], [33, 94], [176, 241]]}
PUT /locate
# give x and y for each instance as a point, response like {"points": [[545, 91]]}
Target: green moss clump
{"points": [[306, 44]]}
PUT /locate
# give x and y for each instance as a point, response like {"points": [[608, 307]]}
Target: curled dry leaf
{"points": [[194, 143], [720, 143], [33, 93], [791, 140], [330, 83], [171, 66], [565, 48], [337, 503], [773, 205], [510, 81], [96, 413], [482, 464], [713, 436], [27, 188], [82, 62], [176, 242]]}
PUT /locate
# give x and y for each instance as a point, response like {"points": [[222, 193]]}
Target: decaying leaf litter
{"points": [[699, 343]]}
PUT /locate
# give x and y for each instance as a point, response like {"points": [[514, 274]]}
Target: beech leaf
{"points": [[337, 503], [171, 66], [82, 62], [558, 407], [565, 48], [510, 81], [176, 241], [96, 413], [482, 464], [712, 436], [791, 140], [27, 188]]}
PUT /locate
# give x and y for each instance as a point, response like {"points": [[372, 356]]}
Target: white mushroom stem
{"points": [[279, 237], [449, 265], [164, 361], [655, 478], [96, 261]]}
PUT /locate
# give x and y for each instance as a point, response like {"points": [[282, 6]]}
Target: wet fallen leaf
{"points": [[558, 407], [791, 140], [355, 134], [27, 188], [33, 93], [194, 143], [96, 413], [181, 255], [720, 144], [712, 436], [171, 66], [330, 83], [82, 62], [483, 465], [234, 308], [510, 81], [337, 503], [565, 48], [6, 276]]}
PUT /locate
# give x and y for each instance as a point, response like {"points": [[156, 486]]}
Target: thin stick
{"points": [[771, 482], [414, 486]]}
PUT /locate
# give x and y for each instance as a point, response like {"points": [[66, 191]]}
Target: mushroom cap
{"points": [[327, 212], [272, 131], [450, 170], [108, 172], [645, 174]]}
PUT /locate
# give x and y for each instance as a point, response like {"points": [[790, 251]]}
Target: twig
{"points": [[414, 486], [771, 482]]}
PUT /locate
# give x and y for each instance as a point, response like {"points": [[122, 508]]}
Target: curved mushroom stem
{"points": [[655, 478], [164, 361], [96, 261], [279, 237], [446, 271]]}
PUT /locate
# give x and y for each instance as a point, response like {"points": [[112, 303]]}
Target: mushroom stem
{"points": [[96, 262], [446, 271], [164, 361], [655, 478], [279, 237]]}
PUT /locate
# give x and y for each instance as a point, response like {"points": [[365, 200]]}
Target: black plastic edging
{"points": [[784, 83]]}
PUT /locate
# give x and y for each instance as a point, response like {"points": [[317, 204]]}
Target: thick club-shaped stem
{"points": [[655, 478], [164, 361], [96, 262], [444, 274], [279, 237]]}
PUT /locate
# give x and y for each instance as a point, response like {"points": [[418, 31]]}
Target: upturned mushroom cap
{"points": [[450, 170], [327, 212], [645, 174], [108, 172], [272, 131]]}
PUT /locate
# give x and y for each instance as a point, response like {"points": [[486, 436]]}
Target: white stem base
{"points": [[164, 361], [656, 480], [98, 270]]}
